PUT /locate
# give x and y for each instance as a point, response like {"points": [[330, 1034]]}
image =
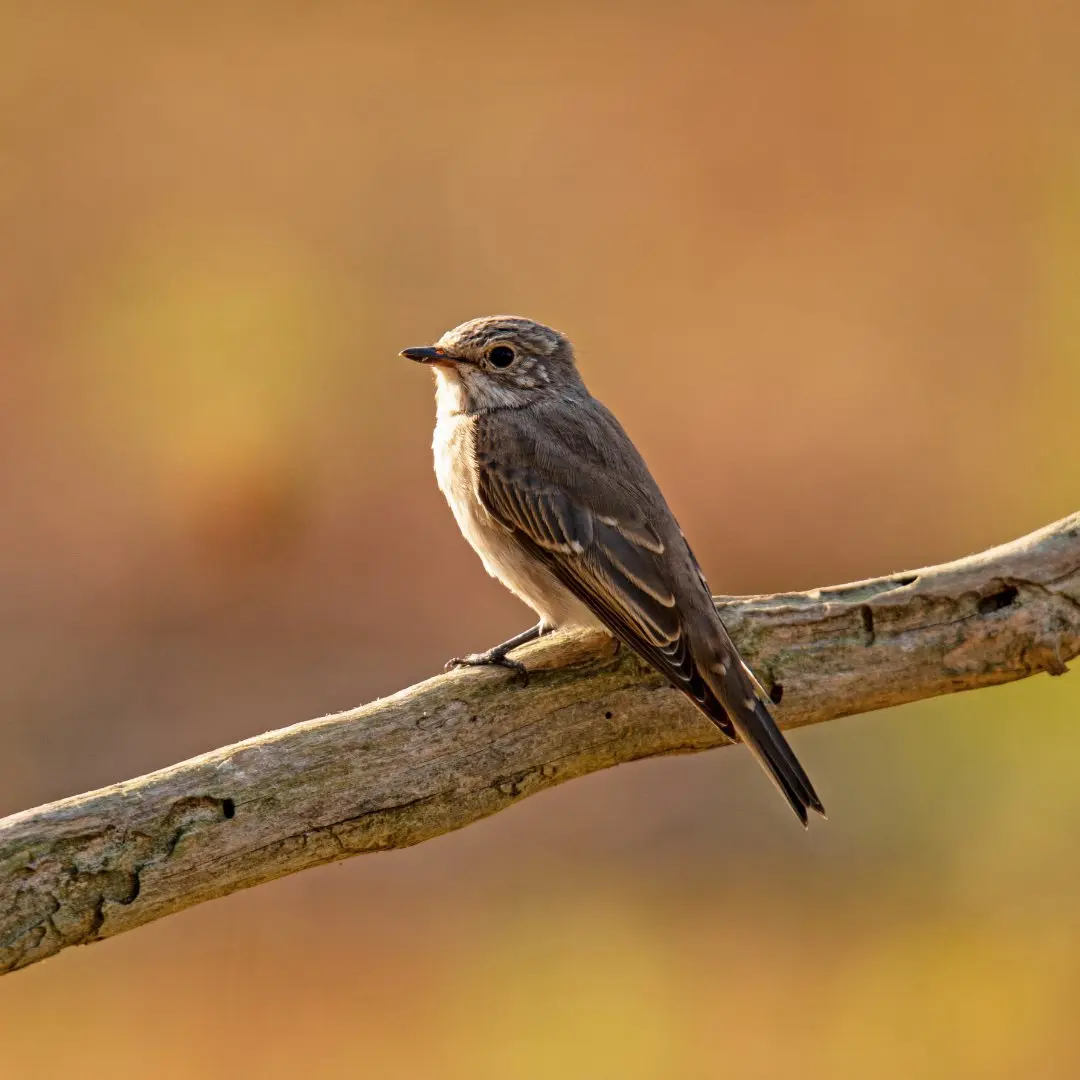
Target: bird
{"points": [[560, 506]]}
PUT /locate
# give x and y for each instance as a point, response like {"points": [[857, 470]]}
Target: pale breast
{"points": [[455, 470], [503, 558]]}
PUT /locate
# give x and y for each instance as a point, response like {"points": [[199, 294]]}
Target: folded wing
{"points": [[604, 551]]}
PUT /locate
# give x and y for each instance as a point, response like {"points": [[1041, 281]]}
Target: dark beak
{"points": [[425, 354]]}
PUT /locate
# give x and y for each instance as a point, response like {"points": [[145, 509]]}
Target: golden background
{"points": [[823, 259]]}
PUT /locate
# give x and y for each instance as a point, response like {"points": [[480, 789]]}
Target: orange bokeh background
{"points": [[822, 259]]}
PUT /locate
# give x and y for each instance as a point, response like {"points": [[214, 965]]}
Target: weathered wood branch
{"points": [[458, 747]]}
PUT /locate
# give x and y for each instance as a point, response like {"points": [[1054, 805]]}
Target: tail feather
{"points": [[765, 741], [736, 704]]}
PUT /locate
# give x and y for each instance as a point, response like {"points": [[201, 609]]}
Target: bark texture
{"points": [[458, 747]]}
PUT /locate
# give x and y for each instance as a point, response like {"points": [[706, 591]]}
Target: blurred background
{"points": [[823, 259]]}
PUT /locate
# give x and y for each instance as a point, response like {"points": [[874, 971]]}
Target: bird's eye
{"points": [[501, 356]]}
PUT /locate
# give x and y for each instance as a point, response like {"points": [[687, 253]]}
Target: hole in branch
{"points": [[1003, 598]]}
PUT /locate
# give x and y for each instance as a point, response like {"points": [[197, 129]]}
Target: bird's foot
{"points": [[492, 658]]}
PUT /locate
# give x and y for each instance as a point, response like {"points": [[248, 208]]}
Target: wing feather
{"points": [[612, 564]]}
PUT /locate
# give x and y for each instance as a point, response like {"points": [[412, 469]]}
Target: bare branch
{"points": [[458, 747]]}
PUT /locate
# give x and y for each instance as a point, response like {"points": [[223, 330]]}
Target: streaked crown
{"points": [[476, 337]]}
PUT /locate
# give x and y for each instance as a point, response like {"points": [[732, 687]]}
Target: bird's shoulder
{"points": [[570, 478], [575, 444]]}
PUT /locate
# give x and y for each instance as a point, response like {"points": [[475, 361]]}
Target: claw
{"points": [[490, 659]]}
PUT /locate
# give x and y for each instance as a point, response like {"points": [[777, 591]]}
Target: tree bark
{"points": [[460, 746]]}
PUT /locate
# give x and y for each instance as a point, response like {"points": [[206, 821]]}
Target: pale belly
{"points": [[502, 557]]}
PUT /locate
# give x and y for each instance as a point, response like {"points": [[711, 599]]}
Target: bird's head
{"points": [[498, 361]]}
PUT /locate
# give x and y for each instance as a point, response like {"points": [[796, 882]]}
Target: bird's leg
{"points": [[497, 655]]}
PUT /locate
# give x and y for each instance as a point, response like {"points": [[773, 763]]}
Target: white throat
{"points": [[450, 396]]}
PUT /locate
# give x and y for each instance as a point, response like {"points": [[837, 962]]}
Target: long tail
{"points": [[734, 703]]}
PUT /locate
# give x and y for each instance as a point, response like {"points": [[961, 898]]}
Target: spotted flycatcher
{"points": [[561, 508]]}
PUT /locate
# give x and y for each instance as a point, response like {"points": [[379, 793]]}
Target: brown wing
{"points": [[609, 560], [575, 498]]}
